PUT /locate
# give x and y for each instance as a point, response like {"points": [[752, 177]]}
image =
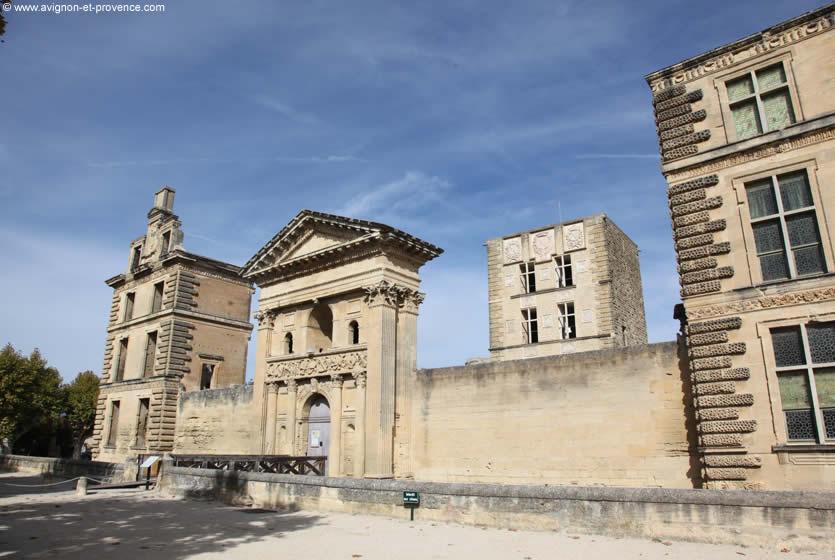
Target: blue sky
{"points": [[456, 123]]}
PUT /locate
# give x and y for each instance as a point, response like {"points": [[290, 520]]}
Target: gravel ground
{"points": [[53, 522]]}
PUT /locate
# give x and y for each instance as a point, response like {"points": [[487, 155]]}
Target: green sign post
{"points": [[411, 500]]}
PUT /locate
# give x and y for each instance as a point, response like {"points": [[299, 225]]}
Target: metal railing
{"points": [[279, 464]]}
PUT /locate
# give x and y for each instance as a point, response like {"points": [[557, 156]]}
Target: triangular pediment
{"points": [[315, 236]]}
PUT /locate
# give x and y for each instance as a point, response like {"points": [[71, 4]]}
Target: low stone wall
{"points": [[797, 520], [62, 467]]}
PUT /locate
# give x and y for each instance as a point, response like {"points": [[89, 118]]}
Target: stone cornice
{"points": [[786, 33], [805, 133], [180, 314]]}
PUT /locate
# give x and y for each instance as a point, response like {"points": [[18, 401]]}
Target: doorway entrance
{"points": [[318, 427]]}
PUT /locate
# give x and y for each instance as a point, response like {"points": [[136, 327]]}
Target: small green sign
{"points": [[411, 499]]}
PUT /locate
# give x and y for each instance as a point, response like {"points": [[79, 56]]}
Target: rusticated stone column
{"points": [[379, 405], [335, 447], [359, 427]]}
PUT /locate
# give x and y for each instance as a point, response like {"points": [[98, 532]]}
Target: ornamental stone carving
{"points": [[767, 302], [512, 250], [542, 245], [321, 364], [265, 318], [386, 293], [573, 237]]}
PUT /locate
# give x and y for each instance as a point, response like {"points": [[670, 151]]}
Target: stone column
{"points": [[405, 380], [266, 321], [359, 427], [291, 415], [379, 405], [335, 448], [269, 437]]}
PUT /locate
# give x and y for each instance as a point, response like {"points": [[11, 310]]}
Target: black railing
{"points": [[279, 464]]}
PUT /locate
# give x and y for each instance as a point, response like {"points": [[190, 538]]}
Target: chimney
{"points": [[164, 199]]}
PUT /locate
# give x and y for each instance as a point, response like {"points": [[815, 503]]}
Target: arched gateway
{"points": [[325, 279]]}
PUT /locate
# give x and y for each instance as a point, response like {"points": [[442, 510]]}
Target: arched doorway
{"points": [[318, 426]]}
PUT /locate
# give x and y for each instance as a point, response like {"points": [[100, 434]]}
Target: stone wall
{"points": [[629, 325], [62, 467], [221, 421], [613, 417], [796, 520]]}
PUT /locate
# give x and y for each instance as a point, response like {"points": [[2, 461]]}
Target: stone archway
{"points": [[316, 425]]}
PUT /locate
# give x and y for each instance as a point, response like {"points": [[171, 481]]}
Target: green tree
{"points": [[81, 398], [30, 395]]}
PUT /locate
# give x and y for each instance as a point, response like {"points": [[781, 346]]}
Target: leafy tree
{"points": [[81, 398], [30, 395]]}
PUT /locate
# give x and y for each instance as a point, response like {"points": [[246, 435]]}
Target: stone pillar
{"points": [[266, 320], [405, 380], [335, 448], [359, 427], [269, 437], [291, 415], [379, 405]]}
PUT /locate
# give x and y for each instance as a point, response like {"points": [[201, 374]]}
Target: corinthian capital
{"points": [[265, 317], [410, 300], [381, 293]]}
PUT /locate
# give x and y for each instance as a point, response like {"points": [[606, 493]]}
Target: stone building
{"points": [[178, 321], [564, 288], [336, 346], [747, 138]]}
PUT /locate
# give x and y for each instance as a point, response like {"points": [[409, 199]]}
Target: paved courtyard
{"points": [[53, 522]]}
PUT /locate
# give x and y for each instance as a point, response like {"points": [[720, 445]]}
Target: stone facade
{"points": [[337, 319], [178, 321], [747, 138], [564, 288]]}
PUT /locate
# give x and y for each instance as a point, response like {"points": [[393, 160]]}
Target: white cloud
{"points": [[278, 106], [413, 192]]}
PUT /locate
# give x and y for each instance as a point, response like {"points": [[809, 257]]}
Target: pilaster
{"points": [[359, 432], [292, 391], [410, 300], [380, 392], [335, 448]]}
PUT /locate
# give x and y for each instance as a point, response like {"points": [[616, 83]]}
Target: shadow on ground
{"points": [[129, 524]]}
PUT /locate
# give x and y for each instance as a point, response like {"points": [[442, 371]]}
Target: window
{"points": [[528, 277], [568, 323], [288, 343], [529, 326], [783, 215], [805, 358], [156, 305], [354, 332], [121, 359], [142, 422], [207, 373], [114, 424], [565, 278], [130, 298], [166, 243], [150, 354], [320, 328], [760, 101], [137, 254]]}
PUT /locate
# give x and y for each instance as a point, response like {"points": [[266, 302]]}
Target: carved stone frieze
{"points": [[349, 362], [763, 302]]}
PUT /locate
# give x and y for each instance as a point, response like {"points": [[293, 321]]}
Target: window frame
{"points": [[808, 368], [720, 85], [113, 429], [560, 266], [146, 371], [154, 308], [121, 360], [142, 433], [530, 325], [130, 306], [215, 368], [561, 318], [751, 256], [527, 270]]}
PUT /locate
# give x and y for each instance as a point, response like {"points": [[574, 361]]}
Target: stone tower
{"points": [[178, 321]]}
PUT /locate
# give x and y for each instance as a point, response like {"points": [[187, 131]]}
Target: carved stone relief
{"points": [[311, 366], [542, 245], [512, 250], [573, 237]]}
